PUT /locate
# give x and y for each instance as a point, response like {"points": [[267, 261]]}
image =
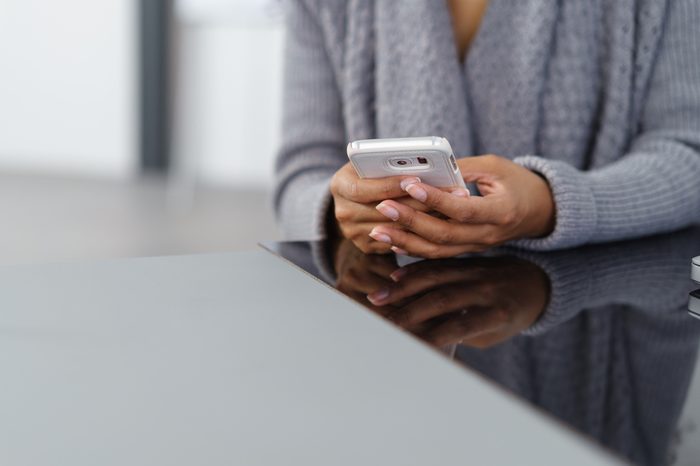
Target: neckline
{"points": [[464, 60]]}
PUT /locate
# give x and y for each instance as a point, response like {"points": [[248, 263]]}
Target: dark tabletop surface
{"points": [[599, 337], [239, 359]]}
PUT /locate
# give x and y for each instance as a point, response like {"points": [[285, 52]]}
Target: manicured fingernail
{"points": [[388, 211], [378, 296], [461, 192], [409, 181], [416, 192], [379, 236], [399, 251], [398, 274]]}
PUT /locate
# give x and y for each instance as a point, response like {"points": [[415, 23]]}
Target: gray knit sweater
{"points": [[600, 97]]}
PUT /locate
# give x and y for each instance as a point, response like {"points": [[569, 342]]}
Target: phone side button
{"points": [[694, 304], [453, 162]]}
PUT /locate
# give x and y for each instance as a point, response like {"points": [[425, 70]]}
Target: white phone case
{"points": [[429, 158]]}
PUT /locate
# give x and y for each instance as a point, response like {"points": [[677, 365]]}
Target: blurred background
{"points": [[137, 127], [140, 127]]}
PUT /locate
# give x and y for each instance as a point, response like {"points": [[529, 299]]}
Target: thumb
{"points": [[482, 170]]}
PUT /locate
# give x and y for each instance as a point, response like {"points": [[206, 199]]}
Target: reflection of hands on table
{"points": [[359, 274], [477, 302]]}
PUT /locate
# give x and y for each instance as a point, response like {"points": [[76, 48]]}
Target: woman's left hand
{"points": [[515, 203]]}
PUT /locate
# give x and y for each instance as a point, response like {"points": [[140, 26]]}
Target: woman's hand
{"points": [[515, 203], [355, 202]]}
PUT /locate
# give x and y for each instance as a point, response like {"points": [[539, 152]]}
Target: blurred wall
{"points": [[67, 99], [68, 103], [228, 90]]}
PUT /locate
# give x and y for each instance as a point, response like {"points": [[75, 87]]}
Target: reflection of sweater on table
{"points": [[620, 370]]}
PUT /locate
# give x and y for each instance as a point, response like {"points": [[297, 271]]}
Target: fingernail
{"points": [[416, 192], [378, 296], [399, 251], [409, 181], [388, 211], [461, 192], [379, 236], [398, 274]]}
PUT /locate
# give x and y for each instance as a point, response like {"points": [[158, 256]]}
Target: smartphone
{"points": [[429, 158], [695, 270]]}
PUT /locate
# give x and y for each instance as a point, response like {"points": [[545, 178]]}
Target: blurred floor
{"points": [[52, 218]]}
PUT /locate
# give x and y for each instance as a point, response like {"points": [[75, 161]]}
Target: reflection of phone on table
{"points": [[429, 158]]}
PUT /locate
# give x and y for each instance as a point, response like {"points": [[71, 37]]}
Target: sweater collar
{"points": [[418, 77], [420, 80], [506, 73]]}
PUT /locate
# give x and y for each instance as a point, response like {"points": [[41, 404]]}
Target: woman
{"points": [[592, 110]]}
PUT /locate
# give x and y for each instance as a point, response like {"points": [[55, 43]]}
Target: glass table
{"points": [[600, 338]]}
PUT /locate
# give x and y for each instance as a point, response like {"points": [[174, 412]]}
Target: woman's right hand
{"points": [[355, 200]]}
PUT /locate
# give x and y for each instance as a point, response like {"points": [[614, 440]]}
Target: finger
{"points": [[352, 212], [419, 206], [368, 246], [472, 209], [382, 266], [484, 170], [347, 211], [358, 233], [348, 185], [444, 300], [486, 184], [437, 230], [376, 248], [412, 244], [361, 281], [468, 266], [426, 280], [487, 165], [362, 299], [462, 327], [412, 203], [409, 202]]}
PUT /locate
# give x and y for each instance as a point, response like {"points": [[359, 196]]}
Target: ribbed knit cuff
{"points": [[305, 207], [576, 216], [570, 288], [320, 254]]}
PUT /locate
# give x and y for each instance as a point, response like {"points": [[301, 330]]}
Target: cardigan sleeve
{"points": [[313, 137], [656, 186]]}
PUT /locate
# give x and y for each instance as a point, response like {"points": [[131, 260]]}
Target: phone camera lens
{"points": [[401, 162], [422, 160]]}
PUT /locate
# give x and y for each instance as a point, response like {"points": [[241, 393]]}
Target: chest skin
{"points": [[466, 17]]}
